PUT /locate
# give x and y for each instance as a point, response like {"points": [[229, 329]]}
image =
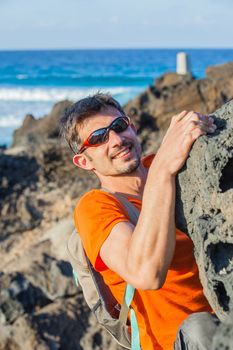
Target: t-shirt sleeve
{"points": [[95, 215]]}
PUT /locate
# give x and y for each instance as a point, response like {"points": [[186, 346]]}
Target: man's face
{"points": [[120, 154]]}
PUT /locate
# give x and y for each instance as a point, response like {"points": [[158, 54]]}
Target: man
{"points": [[153, 256]]}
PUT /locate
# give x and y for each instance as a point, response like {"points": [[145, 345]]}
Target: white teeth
{"points": [[122, 153]]}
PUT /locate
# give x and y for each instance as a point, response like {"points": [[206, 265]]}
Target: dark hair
{"points": [[85, 108]]}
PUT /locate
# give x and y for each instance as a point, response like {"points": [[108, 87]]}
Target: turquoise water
{"points": [[32, 81]]}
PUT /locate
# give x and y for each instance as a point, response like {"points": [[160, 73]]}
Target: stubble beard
{"points": [[129, 168]]}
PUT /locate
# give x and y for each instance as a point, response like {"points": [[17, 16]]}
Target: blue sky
{"points": [[26, 24]]}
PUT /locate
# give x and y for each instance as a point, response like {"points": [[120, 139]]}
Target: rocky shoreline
{"points": [[40, 307]]}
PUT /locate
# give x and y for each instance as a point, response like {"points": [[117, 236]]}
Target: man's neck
{"points": [[131, 184]]}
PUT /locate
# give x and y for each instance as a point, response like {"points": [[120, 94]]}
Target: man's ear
{"points": [[81, 161]]}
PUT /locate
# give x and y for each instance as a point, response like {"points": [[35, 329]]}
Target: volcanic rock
{"points": [[152, 110], [223, 337], [205, 209], [34, 132]]}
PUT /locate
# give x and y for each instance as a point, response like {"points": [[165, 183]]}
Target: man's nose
{"points": [[115, 139]]}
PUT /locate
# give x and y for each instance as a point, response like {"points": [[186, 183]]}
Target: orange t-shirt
{"points": [[159, 312]]}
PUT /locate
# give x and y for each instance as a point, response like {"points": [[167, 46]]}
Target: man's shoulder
{"points": [[95, 197], [95, 194], [147, 160], [97, 211]]}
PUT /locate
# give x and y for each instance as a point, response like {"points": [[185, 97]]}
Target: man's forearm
{"points": [[152, 246]]}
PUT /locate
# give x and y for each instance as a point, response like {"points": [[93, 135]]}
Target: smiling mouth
{"points": [[123, 153]]}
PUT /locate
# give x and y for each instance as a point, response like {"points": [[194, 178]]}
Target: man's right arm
{"points": [[141, 255]]}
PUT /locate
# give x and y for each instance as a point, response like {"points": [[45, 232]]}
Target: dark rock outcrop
{"points": [[19, 296], [223, 337], [34, 132], [152, 110], [27, 287], [205, 209], [65, 324], [42, 308], [37, 174]]}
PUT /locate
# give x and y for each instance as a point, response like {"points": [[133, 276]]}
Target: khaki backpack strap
{"points": [[132, 211], [124, 310]]}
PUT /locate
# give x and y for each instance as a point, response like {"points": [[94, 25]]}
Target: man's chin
{"points": [[129, 167]]}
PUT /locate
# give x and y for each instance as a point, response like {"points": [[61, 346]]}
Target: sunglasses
{"points": [[100, 136]]}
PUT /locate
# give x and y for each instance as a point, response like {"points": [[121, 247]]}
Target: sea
{"points": [[32, 81]]}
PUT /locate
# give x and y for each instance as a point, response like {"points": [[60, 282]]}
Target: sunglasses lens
{"points": [[98, 137], [101, 135], [120, 124]]}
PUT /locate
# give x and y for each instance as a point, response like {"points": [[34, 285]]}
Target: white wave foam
{"points": [[21, 76], [9, 121], [56, 94]]}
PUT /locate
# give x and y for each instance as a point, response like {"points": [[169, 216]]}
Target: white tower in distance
{"points": [[182, 63]]}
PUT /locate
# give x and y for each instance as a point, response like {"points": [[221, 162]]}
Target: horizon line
{"points": [[115, 48]]}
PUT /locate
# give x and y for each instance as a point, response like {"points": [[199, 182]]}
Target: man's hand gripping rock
{"points": [[184, 129]]}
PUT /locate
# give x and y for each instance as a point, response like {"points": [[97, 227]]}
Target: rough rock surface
{"points": [[36, 131], [223, 337], [40, 307], [205, 209]]}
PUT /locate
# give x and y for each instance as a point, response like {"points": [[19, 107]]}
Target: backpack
{"points": [[111, 315]]}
